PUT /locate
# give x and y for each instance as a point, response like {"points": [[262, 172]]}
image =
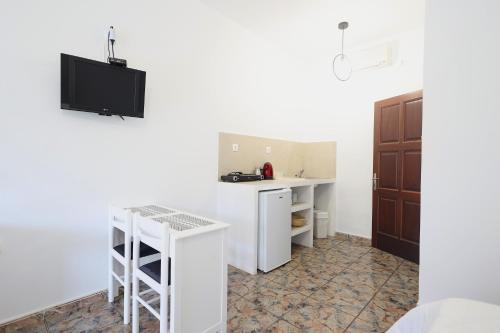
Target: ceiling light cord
{"points": [[341, 58], [342, 43]]}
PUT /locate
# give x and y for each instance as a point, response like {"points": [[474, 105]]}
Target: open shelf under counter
{"points": [[299, 230], [297, 207]]}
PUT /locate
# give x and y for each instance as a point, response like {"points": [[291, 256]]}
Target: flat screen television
{"points": [[94, 86]]}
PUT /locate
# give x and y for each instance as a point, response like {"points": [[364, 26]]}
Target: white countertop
{"points": [[262, 185]]}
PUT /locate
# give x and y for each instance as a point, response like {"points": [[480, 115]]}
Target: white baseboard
{"points": [[34, 312], [355, 235]]}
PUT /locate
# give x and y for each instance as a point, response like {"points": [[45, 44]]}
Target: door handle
{"points": [[375, 182]]}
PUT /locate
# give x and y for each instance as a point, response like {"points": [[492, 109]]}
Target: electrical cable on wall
{"points": [[111, 40], [111, 50], [111, 53]]}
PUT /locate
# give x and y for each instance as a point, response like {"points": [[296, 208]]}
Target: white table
{"points": [[198, 301]]}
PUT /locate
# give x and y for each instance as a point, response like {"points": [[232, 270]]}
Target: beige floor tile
{"points": [[275, 299], [325, 243], [305, 285], [119, 328], [371, 267], [353, 278], [348, 298], [232, 297], [244, 317], [317, 269], [361, 326], [360, 241], [340, 259], [148, 322], [278, 272], [91, 313], [248, 284], [234, 273], [380, 317], [408, 268], [380, 258], [31, 324], [396, 300], [282, 326], [313, 316], [400, 281], [339, 236], [352, 251]]}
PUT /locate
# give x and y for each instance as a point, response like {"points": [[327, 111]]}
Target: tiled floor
{"points": [[342, 285]]}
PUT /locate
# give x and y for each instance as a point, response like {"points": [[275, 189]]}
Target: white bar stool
{"points": [[120, 251], [156, 274]]}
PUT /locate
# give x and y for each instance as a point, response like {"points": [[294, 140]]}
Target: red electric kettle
{"points": [[267, 170]]}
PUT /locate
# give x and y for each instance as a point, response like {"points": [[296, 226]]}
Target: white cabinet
{"points": [[238, 205]]}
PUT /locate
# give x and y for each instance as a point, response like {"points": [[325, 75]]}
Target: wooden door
{"points": [[397, 156]]}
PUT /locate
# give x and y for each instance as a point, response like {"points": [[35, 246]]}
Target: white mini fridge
{"points": [[275, 229]]}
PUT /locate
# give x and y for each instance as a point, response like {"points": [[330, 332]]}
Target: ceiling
{"points": [[309, 27]]}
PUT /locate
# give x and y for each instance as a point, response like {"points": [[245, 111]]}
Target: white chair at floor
{"points": [[156, 275], [120, 252]]}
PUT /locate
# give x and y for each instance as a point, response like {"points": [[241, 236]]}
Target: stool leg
{"points": [[111, 296], [111, 279], [135, 286], [126, 295], [126, 277], [135, 305], [164, 293], [164, 312]]}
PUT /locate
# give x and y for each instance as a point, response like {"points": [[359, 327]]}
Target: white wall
{"points": [[59, 169], [205, 74], [343, 112], [340, 111], [460, 224], [355, 131]]}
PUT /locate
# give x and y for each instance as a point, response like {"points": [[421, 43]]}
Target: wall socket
{"points": [[236, 147], [268, 149]]}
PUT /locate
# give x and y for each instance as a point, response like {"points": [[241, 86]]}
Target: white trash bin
{"points": [[320, 224]]}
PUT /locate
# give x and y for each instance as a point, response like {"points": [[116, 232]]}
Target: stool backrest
{"points": [[152, 233], [120, 218]]}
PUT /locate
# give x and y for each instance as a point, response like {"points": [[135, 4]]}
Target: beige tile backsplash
{"points": [[318, 159]]}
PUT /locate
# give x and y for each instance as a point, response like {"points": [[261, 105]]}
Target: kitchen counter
{"points": [[286, 182], [237, 205]]}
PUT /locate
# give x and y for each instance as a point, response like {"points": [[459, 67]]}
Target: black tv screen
{"points": [[93, 86]]}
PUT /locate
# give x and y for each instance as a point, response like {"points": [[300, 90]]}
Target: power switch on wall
{"points": [[268, 150], [236, 147]]}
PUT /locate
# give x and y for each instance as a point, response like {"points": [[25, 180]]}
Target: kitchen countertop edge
{"points": [[263, 185]]}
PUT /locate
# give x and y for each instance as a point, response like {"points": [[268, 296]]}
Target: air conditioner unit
{"points": [[375, 57]]}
